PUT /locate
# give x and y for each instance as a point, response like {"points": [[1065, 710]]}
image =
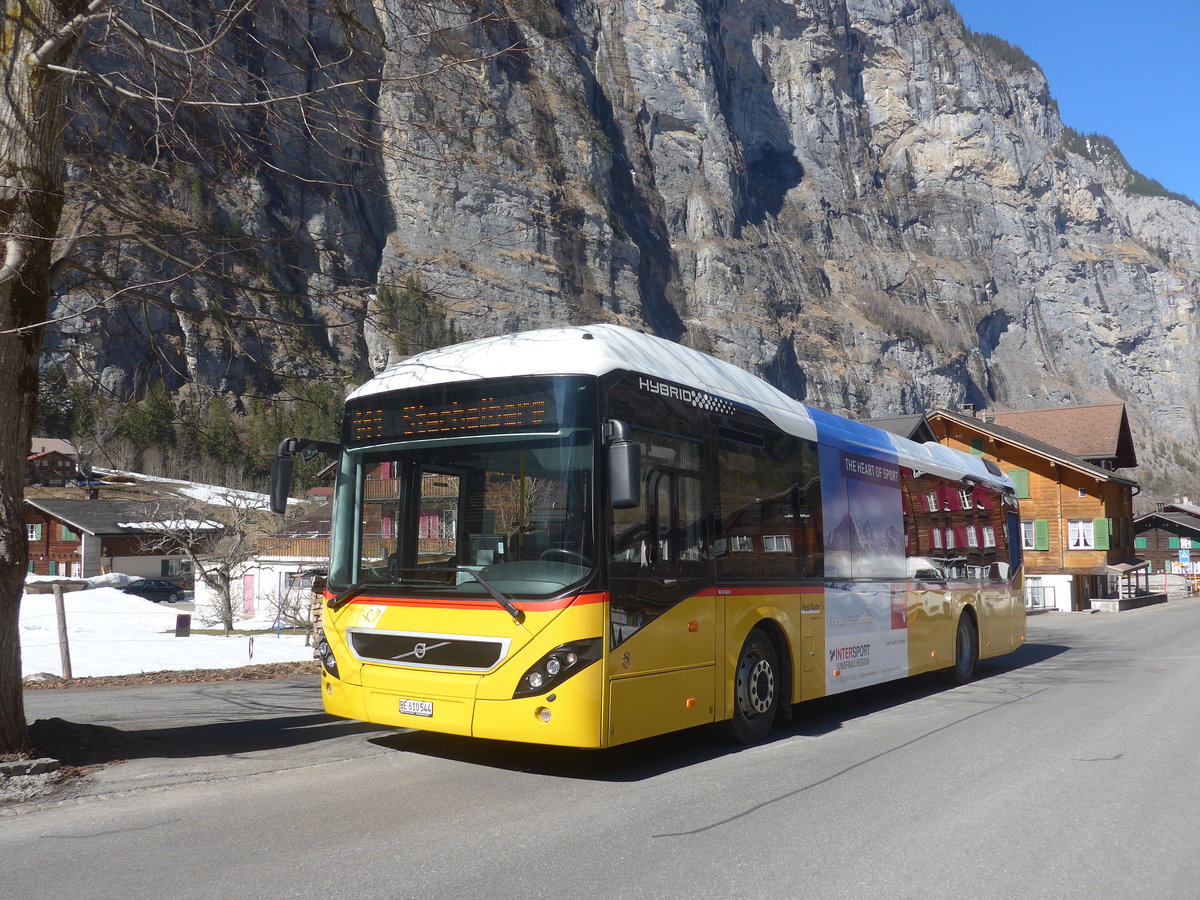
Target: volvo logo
{"points": [[420, 648]]}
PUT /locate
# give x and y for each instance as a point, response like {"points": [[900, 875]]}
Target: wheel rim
{"points": [[756, 685]]}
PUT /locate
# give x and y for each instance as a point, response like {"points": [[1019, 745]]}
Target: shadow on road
{"points": [[80, 744], [656, 756], [84, 744]]}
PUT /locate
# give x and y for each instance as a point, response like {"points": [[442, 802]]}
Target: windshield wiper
{"points": [[342, 599], [497, 595]]}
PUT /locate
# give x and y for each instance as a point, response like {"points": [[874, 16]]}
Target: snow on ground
{"points": [[113, 633], [214, 495]]}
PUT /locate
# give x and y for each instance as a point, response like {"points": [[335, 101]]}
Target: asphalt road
{"points": [[1066, 770]]}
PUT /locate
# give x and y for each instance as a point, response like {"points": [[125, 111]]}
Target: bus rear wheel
{"points": [[756, 689], [966, 652]]}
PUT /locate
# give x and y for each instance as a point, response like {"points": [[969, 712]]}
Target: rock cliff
{"points": [[862, 201]]}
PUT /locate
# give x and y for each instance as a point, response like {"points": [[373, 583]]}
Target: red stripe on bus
{"points": [[761, 590], [528, 606]]}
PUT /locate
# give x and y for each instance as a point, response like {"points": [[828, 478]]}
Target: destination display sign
{"points": [[443, 414]]}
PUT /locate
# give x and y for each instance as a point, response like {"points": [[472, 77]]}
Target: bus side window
{"points": [[768, 506], [668, 528]]}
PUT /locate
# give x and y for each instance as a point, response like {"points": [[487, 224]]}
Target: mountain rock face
{"points": [[858, 200]]}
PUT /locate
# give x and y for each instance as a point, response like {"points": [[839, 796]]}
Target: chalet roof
{"points": [[45, 445], [1099, 431], [1174, 522], [130, 517], [1033, 445], [913, 427]]}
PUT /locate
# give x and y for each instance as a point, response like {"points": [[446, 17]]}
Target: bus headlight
{"points": [[325, 654], [557, 666]]}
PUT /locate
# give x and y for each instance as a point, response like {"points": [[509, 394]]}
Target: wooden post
{"points": [[64, 650]]}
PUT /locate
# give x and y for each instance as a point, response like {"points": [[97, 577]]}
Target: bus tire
{"points": [[757, 685], [966, 652]]}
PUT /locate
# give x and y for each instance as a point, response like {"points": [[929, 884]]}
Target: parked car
{"points": [[155, 589]]}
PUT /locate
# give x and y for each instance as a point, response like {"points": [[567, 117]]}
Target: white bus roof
{"points": [[600, 349]]}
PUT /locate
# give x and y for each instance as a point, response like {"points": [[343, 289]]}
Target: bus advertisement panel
{"points": [[866, 629]]}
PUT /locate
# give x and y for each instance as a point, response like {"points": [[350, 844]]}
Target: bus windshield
{"points": [[513, 515]]}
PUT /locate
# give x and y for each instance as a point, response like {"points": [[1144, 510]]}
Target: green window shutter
{"points": [[1041, 534], [1172, 543], [1139, 543], [37, 532], [68, 534], [53, 567], [1102, 528], [977, 446], [1020, 478], [165, 571]]}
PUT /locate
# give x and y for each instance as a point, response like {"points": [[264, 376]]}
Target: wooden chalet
{"points": [[83, 538], [1076, 512], [1169, 538], [51, 462]]}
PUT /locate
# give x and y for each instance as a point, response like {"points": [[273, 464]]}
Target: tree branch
{"points": [[14, 258], [67, 32]]}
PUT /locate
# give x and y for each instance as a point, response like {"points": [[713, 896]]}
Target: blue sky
{"points": [[1127, 70]]}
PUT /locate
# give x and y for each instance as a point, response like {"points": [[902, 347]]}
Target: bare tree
{"points": [[39, 40], [162, 106], [215, 540], [162, 69]]}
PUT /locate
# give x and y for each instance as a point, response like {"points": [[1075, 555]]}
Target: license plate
{"points": [[417, 708]]}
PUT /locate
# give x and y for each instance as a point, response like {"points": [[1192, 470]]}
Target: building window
{"points": [[972, 536], [932, 501], [1083, 492], [173, 568], [777, 543], [1081, 534], [989, 536], [935, 538], [741, 543], [1027, 536], [965, 497], [33, 532]]}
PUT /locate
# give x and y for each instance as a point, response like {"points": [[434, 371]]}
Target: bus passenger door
{"points": [[662, 619]]}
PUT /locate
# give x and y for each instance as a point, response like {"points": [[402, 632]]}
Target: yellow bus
{"points": [[587, 536]]}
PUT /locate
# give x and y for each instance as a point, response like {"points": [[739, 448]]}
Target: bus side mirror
{"points": [[624, 466], [281, 475], [284, 464]]}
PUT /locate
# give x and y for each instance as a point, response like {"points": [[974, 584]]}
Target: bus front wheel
{"points": [[756, 689]]}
